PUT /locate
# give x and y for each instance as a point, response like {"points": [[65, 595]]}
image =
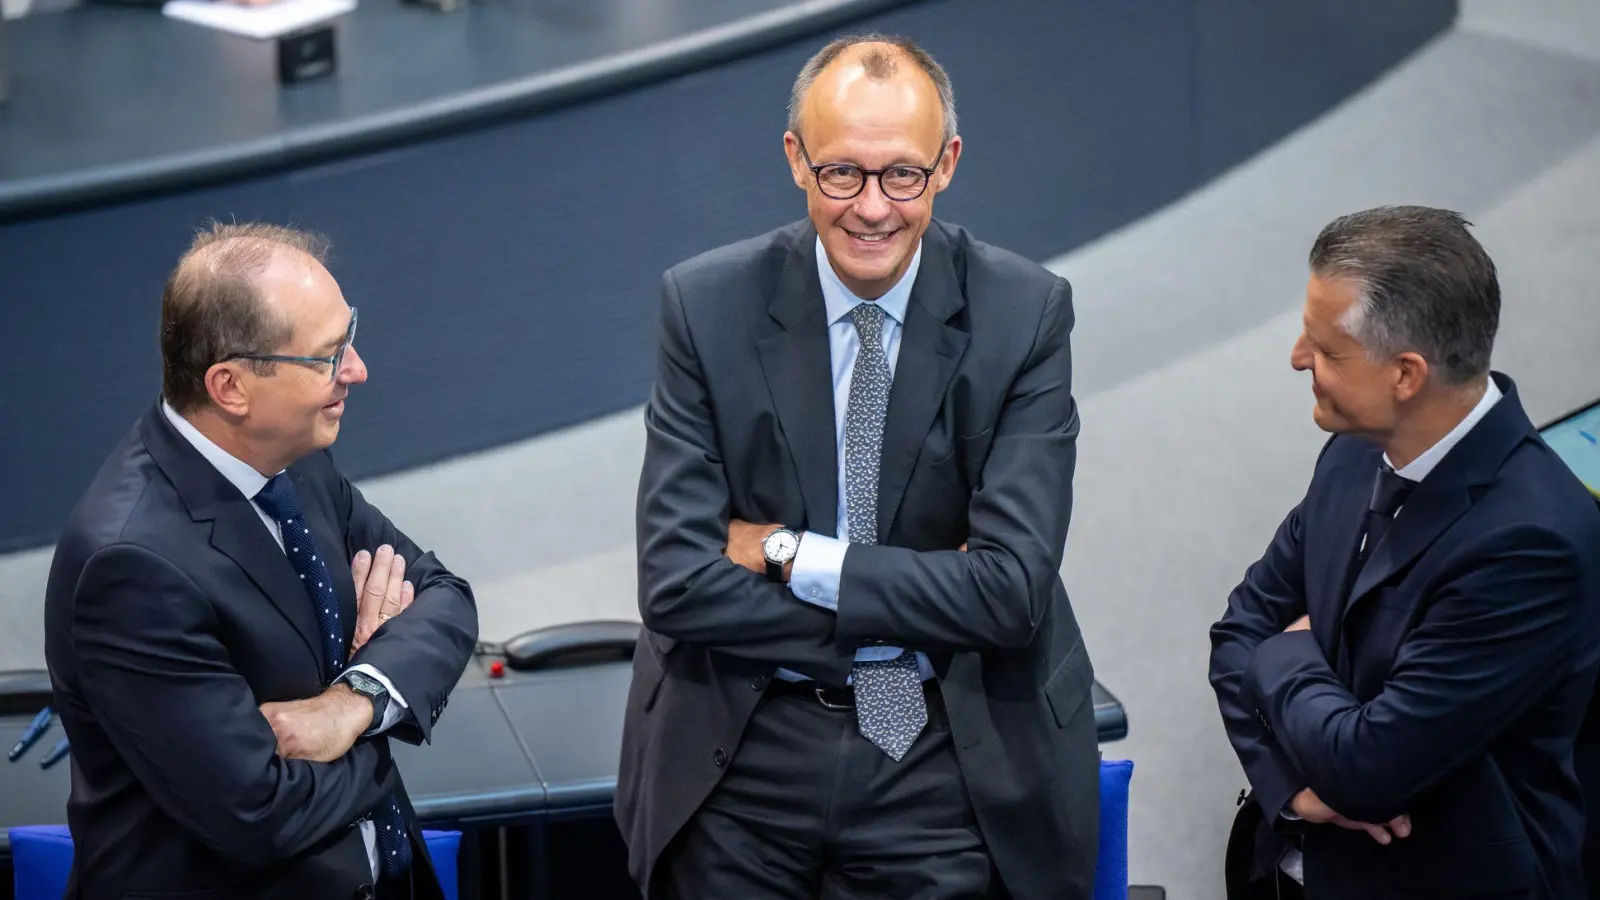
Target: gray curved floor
{"points": [[1196, 434]]}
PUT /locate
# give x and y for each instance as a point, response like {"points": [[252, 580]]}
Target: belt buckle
{"points": [[823, 699]]}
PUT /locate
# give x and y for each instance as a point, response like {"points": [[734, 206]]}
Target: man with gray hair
{"points": [[860, 675], [1405, 670]]}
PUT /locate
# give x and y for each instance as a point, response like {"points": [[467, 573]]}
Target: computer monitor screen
{"points": [[1576, 439]]}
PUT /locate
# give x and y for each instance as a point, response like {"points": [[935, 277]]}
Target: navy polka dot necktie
{"points": [[890, 707], [300, 546]]}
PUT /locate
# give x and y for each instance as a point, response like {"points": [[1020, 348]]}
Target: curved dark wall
{"points": [[508, 275]]}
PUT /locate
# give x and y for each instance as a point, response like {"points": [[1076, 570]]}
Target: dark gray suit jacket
{"points": [[979, 447]]}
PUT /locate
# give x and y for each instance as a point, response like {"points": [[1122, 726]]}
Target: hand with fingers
{"points": [[382, 591], [1307, 805]]}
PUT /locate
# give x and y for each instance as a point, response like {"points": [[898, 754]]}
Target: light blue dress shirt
{"points": [[819, 561]]}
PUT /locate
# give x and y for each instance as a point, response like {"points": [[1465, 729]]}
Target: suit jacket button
{"points": [[720, 757], [758, 683], [365, 892]]}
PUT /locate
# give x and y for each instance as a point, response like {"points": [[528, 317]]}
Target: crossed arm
{"points": [[164, 690], [694, 589], [266, 782], [1497, 630]]}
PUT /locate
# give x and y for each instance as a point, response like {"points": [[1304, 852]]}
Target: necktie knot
{"points": [[278, 498], [1389, 491], [868, 318]]}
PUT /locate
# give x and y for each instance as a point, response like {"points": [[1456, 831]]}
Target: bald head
{"points": [[876, 59], [216, 302]]}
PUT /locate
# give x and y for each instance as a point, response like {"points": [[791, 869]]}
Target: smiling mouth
{"points": [[877, 237]]}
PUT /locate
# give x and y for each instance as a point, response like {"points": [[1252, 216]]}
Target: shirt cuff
{"points": [[397, 708], [818, 563]]}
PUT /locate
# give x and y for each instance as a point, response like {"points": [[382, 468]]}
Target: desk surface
{"points": [[110, 101], [527, 745]]}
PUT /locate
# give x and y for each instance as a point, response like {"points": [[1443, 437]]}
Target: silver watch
{"points": [[779, 547]]}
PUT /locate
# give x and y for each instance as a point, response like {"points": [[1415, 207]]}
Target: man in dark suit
{"points": [[1404, 672], [203, 605], [882, 692]]}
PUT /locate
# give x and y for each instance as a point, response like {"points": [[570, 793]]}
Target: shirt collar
{"points": [[1419, 468], [238, 472], [838, 300]]}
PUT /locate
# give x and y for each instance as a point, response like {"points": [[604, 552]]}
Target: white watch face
{"points": [[780, 546]]}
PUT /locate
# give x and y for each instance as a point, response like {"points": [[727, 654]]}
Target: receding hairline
{"points": [[240, 256], [880, 56], [881, 62]]}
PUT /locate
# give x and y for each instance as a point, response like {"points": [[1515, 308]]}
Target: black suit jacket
{"points": [[171, 614], [1449, 683], [979, 447]]}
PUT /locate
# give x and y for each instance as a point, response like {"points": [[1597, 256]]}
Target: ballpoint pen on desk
{"points": [[55, 754], [40, 724]]}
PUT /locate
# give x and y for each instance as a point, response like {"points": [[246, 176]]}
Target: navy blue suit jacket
{"points": [[170, 615], [1448, 684]]}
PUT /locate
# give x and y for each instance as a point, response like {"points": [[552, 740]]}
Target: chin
{"points": [[326, 435]]}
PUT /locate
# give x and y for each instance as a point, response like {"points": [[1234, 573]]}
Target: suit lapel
{"points": [[1447, 492], [1350, 514], [1433, 506], [799, 374], [236, 529], [929, 352], [240, 534]]}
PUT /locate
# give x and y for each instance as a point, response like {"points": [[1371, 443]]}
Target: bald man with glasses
{"points": [[233, 633], [861, 675]]}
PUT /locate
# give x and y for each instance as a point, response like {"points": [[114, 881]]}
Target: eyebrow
{"points": [[332, 345]]}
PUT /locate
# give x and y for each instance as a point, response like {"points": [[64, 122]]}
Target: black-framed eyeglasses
{"points": [[843, 181], [335, 362]]}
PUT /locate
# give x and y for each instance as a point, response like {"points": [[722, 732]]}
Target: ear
{"points": [[227, 383], [945, 172], [1412, 375], [797, 163]]}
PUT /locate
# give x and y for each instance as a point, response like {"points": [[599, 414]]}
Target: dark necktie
{"points": [[890, 708], [300, 546], [1389, 493]]}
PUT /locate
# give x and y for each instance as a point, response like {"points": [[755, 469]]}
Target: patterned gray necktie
{"points": [[890, 708]]}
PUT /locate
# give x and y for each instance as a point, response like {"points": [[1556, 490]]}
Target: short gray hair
{"points": [[880, 65], [212, 307], [1426, 286]]}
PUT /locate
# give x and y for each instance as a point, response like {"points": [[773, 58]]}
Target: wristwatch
{"points": [[372, 689], [779, 547]]}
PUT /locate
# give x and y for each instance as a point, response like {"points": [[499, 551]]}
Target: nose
{"points": [[871, 205], [354, 370], [1300, 355]]}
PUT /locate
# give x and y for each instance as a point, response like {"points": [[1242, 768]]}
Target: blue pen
{"points": [[41, 723], [1588, 437], [55, 754]]}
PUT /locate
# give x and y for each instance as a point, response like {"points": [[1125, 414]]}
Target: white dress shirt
{"points": [[250, 482], [819, 561], [1414, 471]]}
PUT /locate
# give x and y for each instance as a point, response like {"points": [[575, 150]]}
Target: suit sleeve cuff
{"points": [[814, 576], [397, 710]]}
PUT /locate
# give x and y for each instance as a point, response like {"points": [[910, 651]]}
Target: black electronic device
{"points": [[306, 54]]}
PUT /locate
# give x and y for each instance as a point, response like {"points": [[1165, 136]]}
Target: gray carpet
{"points": [[1196, 434]]}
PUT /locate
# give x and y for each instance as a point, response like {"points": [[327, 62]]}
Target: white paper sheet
{"points": [[260, 22]]}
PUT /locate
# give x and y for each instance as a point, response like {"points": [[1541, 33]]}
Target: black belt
{"points": [[831, 696]]}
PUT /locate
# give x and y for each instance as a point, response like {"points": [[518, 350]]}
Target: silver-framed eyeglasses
{"points": [[334, 362], [845, 181]]}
